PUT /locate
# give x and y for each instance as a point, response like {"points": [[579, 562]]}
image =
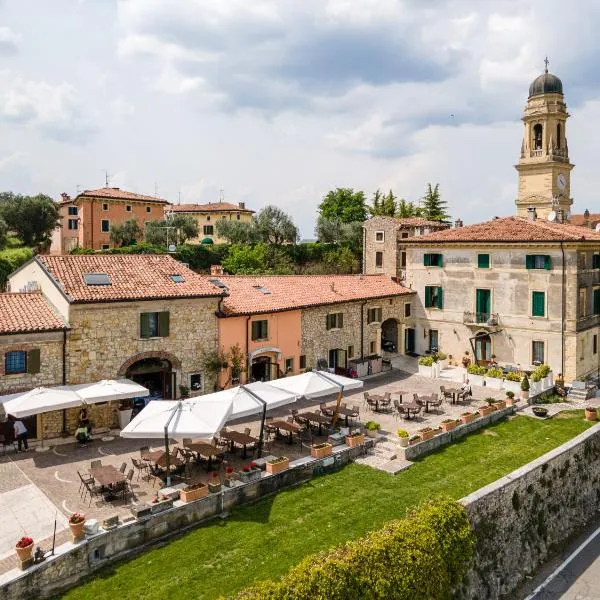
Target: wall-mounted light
{"points": [[454, 330]]}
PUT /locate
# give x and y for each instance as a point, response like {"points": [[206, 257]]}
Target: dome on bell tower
{"points": [[546, 83]]}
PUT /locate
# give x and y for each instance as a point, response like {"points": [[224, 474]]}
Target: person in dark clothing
{"points": [[21, 434], [84, 420]]}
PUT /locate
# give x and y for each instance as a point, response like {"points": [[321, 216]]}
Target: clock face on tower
{"points": [[561, 181]]}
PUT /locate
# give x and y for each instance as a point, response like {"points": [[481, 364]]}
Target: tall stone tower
{"points": [[544, 167]]}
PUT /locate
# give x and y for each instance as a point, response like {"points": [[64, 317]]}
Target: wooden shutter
{"points": [[427, 259], [427, 296], [440, 303], [340, 320], [530, 261], [163, 324], [264, 330], [379, 315], [597, 302], [440, 260], [547, 262], [483, 261], [328, 322], [255, 330], [145, 325], [33, 361], [538, 301]]}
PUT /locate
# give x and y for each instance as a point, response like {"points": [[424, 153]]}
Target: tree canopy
{"points": [[433, 208], [126, 234], [275, 226], [237, 232], [383, 204], [260, 258], [406, 209], [182, 228], [345, 205]]}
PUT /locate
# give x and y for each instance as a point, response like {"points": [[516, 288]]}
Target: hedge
{"points": [[423, 556], [11, 259]]}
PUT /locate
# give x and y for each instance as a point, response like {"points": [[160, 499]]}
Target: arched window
{"points": [[537, 137], [558, 132]]}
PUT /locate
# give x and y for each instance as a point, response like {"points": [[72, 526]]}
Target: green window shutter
{"points": [[440, 303], [145, 325], [538, 302], [427, 259], [264, 330], [341, 320], [530, 261], [483, 261], [379, 314], [255, 332], [33, 361], [596, 261], [547, 263], [427, 296], [163, 324], [597, 302], [440, 262]]}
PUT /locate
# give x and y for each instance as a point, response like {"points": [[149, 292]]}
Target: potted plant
{"points": [[277, 465], [535, 386], [414, 439], [468, 417], [372, 428], [510, 398], [425, 365], [24, 548], [512, 382], [499, 404], [484, 411], [403, 437], [591, 413], [77, 523], [230, 476], [476, 375], [494, 377], [426, 433], [448, 425], [321, 450], [194, 491], [466, 359], [540, 411], [184, 392], [355, 439], [525, 388], [442, 359], [250, 472]]}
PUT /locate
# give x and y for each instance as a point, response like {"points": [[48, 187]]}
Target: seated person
{"points": [[84, 420], [82, 435], [465, 389]]}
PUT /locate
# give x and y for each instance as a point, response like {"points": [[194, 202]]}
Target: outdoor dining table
{"points": [[106, 477], [426, 400], [290, 428], [399, 393], [411, 407], [379, 400], [454, 392], [237, 437], [159, 458], [342, 412], [206, 450], [317, 418]]}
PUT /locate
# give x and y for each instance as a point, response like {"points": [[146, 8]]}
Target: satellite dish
{"points": [[597, 228], [172, 248], [552, 217]]}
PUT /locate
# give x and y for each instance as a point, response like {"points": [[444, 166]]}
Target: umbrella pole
{"points": [[167, 457], [261, 437]]}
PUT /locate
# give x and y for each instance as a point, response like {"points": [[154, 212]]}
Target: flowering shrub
{"points": [[24, 542], [76, 518], [228, 470]]}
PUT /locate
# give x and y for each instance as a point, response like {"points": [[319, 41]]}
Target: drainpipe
{"points": [[563, 311], [362, 330], [64, 357], [248, 364]]}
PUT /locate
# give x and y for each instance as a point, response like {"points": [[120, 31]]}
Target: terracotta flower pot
{"points": [[355, 440], [426, 435], [24, 554], [77, 531], [279, 466], [468, 418], [321, 450], [591, 415], [500, 405], [448, 426], [484, 411]]}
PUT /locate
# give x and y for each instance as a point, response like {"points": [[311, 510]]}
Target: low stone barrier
{"points": [[443, 439]]}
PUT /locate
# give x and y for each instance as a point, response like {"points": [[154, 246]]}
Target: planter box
{"points": [[141, 510], [493, 382], [591, 415], [125, 417], [424, 371], [484, 411], [448, 426], [355, 440], [478, 380], [436, 369], [468, 418], [500, 405], [279, 466], [161, 506], [535, 387], [214, 488], [248, 476], [426, 435], [443, 363], [321, 450], [512, 386], [189, 495], [403, 441]]}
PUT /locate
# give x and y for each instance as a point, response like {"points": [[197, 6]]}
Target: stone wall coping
{"points": [[531, 466]]}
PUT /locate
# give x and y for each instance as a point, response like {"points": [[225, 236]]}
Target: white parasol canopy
{"points": [[315, 384], [195, 418], [110, 389], [40, 400]]}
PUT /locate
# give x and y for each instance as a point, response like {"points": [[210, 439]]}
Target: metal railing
{"points": [[480, 318]]}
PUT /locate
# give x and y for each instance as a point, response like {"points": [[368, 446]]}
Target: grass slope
{"points": [[265, 539]]}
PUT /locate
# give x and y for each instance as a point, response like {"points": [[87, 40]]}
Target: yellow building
{"points": [[207, 216]]}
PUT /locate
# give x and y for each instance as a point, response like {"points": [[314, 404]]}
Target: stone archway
{"points": [[175, 362], [156, 371], [389, 335]]}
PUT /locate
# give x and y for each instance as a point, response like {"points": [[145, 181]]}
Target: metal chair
{"points": [[186, 441], [95, 464], [247, 430], [123, 467]]}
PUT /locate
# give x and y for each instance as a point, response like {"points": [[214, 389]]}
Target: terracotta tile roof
{"points": [[591, 218], [132, 277], [27, 313], [410, 221], [289, 292], [114, 193], [509, 229], [210, 207]]}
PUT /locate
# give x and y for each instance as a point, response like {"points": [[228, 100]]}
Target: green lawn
{"points": [[265, 539]]}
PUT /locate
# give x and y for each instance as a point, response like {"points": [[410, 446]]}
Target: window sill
{"points": [[15, 375], [336, 329], [158, 337], [261, 340]]}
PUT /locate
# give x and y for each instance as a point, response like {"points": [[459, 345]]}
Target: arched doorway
{"points": [[483, 348], [263, 368], [156, 374], [389, 335]]}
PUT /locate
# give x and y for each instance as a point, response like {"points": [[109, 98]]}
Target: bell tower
{"points": [[544, 166]]}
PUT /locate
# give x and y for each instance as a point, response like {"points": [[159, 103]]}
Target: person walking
{"points": [[21, 434]]}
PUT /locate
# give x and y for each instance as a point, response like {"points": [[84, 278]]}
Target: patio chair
{"points": [[400, 409], [305, 438], [95, 491], [140, 466], [83, 480], [356, 411], [435, 401], [95, 464], [186, 442], [463, 395], [247, 430], [123, 467], [143, 451], [324, 410], [445, 394]]}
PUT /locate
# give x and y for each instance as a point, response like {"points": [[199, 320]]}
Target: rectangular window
{"points": [[148, 209], [208, 230], [582, 302], [208, 218], [433, 260], [105, 206], [407, 310], [15, 362], [537, 351], [334, 321], [595, 344], [582, 260], [433, 297], [260, 330], [73, 224], [403, 259], [105, 226], [483, 261], [105, 246], [597, 301], [404, 235], [373, 315], [154, 324], [196, 382], [434, 343], [538, 261], [538, 304], [289, 365], [379, 259], [372, 347], [596, 261], [72, 210], [379, 236], [350, 351], [237, 216], [128, 207], [303, 361]]}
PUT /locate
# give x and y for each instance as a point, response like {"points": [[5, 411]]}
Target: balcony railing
{"points": [[480, 318]]}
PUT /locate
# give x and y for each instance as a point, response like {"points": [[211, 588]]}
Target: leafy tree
{"points": [[340, 260], [433, 208], [337, 232], [274, 226], [237, 232], [383, 205], [182, 228], [126, 234], [31, 218], [258, 259], [345, 205], [3, 233], [406, 209]]}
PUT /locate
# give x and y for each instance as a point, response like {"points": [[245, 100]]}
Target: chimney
{"points": [[560, 216], [531, 214], [586, 218], [242, 205], [458, 223], [65, 197], [217, 270]]}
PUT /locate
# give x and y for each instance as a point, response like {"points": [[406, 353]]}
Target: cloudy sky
{"points": [[278, 101]]}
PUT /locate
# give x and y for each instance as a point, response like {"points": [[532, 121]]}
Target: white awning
{"points": [[40, 400], [110, 389], [194, 418], [315, 384], [244, 398]]}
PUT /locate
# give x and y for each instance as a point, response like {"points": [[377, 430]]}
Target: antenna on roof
{"points": [[221, 195], [155, 189], [105, 177], [179, 197]]}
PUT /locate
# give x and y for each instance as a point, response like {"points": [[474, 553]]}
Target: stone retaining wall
{"points": [[523, 519]]}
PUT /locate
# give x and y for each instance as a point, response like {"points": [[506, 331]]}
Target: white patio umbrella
{"points": [[110, 389], [315, 384], [162, 418]]}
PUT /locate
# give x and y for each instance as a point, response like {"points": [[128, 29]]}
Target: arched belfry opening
{"points": [[537, 136]]}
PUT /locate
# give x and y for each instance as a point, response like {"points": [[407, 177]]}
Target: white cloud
{"points": [[9, 41]]}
